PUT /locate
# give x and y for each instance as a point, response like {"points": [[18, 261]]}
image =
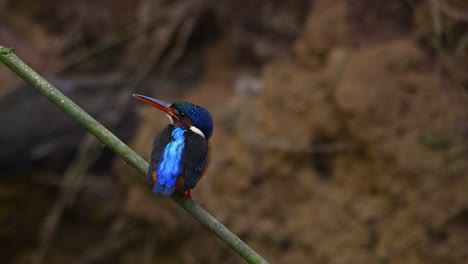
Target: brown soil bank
{"points": [[355, 149]]}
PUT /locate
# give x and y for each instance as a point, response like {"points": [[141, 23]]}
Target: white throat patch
{"points": [[170, 119], [197, 131]]}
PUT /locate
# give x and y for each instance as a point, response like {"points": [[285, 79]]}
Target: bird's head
{"points": [[183, 114]]}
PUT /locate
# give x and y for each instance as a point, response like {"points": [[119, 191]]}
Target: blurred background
{"points": [[341, 130]]}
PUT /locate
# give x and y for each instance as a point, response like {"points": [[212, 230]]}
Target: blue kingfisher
{"points": [[179, 156]]}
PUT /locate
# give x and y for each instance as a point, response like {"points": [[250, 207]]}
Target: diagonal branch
{"points": [[8, 58]]}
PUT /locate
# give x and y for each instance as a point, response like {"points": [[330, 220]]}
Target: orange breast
{"points": [[180, 183]]}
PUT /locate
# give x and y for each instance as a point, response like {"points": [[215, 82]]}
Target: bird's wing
{"points": [[195, 159], [160, 142]]}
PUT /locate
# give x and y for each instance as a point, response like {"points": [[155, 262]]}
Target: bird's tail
{"points": [[163, 190]]}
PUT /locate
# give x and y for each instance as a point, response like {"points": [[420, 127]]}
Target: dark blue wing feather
{"points": [[195, 158]]}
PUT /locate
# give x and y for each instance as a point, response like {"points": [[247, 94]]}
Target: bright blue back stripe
{"points": [[170, 167]]}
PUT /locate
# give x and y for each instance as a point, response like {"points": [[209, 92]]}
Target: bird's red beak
{"points": [[161, 105]]}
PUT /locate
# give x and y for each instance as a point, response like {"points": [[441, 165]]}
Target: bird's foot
{"points": [[188, 194]]}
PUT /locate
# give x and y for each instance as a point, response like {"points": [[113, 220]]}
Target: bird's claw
{"points": [[188, 194]]}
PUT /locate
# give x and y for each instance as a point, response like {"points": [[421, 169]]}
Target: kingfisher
{"points": [[180, 151]]}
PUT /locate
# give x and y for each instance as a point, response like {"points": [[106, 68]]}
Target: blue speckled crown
{"points": [[200, 117]]}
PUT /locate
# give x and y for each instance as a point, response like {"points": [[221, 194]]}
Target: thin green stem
{"points": [[12, 61]]}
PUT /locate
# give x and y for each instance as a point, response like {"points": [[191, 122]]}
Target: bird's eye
{"points": [[182, 114]]}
